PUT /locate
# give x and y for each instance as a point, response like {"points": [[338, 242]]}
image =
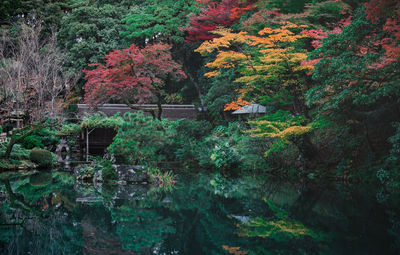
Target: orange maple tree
{"points": [[268, 63]]}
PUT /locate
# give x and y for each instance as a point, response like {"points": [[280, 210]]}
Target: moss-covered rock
{"points": [[43, 158]]}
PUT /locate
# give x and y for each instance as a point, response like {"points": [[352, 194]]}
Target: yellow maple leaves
{"points": [[239, 103], [274, 129], [259, 58], [226, 40], [226, 59]]}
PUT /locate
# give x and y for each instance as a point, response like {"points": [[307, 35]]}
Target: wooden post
{"points": [[87, 145], [87, 142]]}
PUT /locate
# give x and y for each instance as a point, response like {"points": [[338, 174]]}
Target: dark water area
{"points": [[52, 213]]}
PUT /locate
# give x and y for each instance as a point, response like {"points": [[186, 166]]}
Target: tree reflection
{"points": [[33, 220]]}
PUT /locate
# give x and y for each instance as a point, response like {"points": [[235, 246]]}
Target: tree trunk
{"points": [[151, 111], [15, 139], [196, 85], [159, 106]]}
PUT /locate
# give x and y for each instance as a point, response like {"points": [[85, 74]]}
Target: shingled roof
{"points": [[250, 109]]}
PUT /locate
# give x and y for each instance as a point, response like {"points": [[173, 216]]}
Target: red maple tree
{"points": [[377, 9], [388, 10], [132, 75], [215, 14]]}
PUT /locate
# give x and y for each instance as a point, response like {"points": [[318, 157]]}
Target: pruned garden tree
{"points": [[133, 75], [31, 79]]}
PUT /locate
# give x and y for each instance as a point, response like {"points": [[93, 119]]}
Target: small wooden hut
{"points": [[94, 141]]}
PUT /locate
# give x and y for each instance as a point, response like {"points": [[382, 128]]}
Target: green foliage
{"points": [[221, 91], [108, 172], [18, 152], [140, 227], [322, 123], [224, 148], [326, 12], [224, 186], [34, 193], [286, 6], [49, 11], [352, 79], [90, 31], [140, 140], [346, 78], [41, 179], [281, 229], [108, 191], [163, 181], [284, 116], [221, 147], [100, 120], [43, 158], [225, 156], [192, 129], [158, 20], [389, 174], [42, 138], [69, 129], [173, 98], [186, 142], [85, 172], [281, 127]]}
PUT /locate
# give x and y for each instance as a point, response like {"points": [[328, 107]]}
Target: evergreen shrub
{"points": [[43, 158]]}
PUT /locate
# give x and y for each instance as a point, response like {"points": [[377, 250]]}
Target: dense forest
{"points": [[326, 74]]}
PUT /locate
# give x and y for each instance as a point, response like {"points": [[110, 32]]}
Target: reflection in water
{"points": [[51, 213]]}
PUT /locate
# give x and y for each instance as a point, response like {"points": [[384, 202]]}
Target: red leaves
{"points": [[377, 9], [237, 12], [131, 73], [392, 47], [226, 13], [319, 35], [389, 10], [363, 51]]}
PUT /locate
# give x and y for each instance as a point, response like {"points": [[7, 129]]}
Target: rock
{"points": [[132, 192], [97, 178], [131, 174]]}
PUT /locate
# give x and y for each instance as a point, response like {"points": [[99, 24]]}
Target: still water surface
{"points": [[51, 213]]}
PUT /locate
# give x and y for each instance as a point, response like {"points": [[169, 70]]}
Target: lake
{"points": [[205, 213]]}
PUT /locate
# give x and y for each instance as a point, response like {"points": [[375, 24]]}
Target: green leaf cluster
{"points": [[100, 120], [158, 20], [140, 139]]}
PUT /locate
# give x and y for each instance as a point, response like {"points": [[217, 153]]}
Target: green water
{"points": [[51, 213]]}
